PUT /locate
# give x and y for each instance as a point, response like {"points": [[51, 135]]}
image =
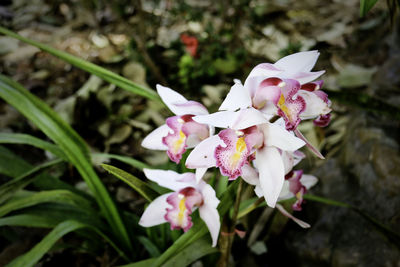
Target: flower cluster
{"points": [[258, 140]]}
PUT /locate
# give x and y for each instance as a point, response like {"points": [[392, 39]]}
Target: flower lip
{"points": [[183, 202]]}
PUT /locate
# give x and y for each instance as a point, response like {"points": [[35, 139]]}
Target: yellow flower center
{"points": [[284, 108], [178, 143], [240, 147], [182, 209]]}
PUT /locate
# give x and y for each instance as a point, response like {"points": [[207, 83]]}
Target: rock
{"points": [[365, 174]]}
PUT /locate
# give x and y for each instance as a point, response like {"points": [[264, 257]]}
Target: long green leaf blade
{"points": [[105, 74], [138, 185], [26, 139], [37, 252], [56, 196], [191, 253], [185, 257], [9, 188], [14, 166], [130, 161], [71, 144], [29, 220]]}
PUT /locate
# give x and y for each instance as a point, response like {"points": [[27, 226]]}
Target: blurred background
{"points": [[197, 48]]}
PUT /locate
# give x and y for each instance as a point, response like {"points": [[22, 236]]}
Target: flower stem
{"points": [[226, 244]]}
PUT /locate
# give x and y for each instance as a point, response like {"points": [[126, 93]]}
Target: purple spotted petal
{"points": [[290, 104], [233, 156], [322, 120], [185, 132], [175, 141], [296, 188]]}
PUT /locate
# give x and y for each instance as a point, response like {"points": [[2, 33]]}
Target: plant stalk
{"points": [[227, 240]]}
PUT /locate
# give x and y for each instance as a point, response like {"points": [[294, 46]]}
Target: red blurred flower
{"points": [[191, 43]]}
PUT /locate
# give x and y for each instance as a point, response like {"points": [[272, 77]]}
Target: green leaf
{"points": [[25, 139], [149, 246], [185, 257], [365, 6], [57, 196], [138, 185], [29, 220], [130, 161], [52, 214], [69, 142], [12, 165], [36, 253], [105, 74], [9, 188], [191, 253]]}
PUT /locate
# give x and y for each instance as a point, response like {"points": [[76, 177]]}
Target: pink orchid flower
{"points": [[181, 131], [176, 207], [248, 137], [284, 89]]}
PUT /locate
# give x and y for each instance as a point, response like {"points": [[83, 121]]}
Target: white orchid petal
{"points": [[202, 155], [211, 217], [154, 139], [250, 175], [315, 106], [178, 104], [200, 173], [288, 161], [155, 212], [248, 117], [170, 97], [258, 74], [308, 180], [285, 192], [170, 179], [296, 220], [209, 196], [275, 135], [259, 192], [298, 62], [209, 213], [307, 77], [271, 173], [189, 108], [221, 119], [237, 98]]}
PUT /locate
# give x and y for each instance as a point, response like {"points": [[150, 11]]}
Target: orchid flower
{"points": [[283, 89], [279, 89], [176, 207], [248, 137], [181, 131]]}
